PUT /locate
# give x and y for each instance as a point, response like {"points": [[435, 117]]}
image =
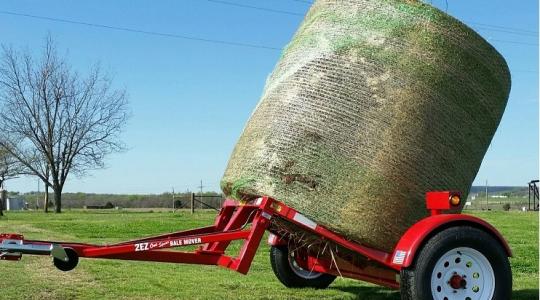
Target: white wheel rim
{"points": [[302, 273], [471, 266]]}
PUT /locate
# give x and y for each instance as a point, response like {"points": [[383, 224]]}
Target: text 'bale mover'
{"points": [[373, 103]]}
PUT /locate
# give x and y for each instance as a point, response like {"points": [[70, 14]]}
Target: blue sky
{"points": [[191, 99]]}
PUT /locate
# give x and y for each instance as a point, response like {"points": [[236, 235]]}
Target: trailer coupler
{"points": [[13, 247]]}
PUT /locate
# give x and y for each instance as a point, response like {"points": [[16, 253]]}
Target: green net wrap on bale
{"points": [[373, 103]]}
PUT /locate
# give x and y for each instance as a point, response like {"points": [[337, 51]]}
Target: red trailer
{"points": [[444, 256]]}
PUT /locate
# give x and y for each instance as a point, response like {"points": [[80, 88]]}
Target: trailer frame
{"points": [[249, 222]]}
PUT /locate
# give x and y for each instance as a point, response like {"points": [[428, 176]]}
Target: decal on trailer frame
{"points": [[300, 218], [399, 257], [164, 244], [142, 246]]}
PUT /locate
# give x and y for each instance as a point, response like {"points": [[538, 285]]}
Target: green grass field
{"points": [[516, 203], [36, 277]]}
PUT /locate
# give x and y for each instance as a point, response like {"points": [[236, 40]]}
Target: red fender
{"points": [[415, 236]]}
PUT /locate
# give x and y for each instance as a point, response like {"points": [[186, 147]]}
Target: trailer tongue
{"points": [[13, 246], [444, 256]]}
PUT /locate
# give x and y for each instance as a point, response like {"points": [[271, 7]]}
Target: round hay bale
{"points": [[372, 104]]}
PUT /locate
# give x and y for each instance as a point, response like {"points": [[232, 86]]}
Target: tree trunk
{"points": [[3, 196], [1, 204], [57, 200], [46, 197]]}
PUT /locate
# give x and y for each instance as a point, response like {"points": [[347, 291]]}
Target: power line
{"points": [[479, 27], [487, 26], [504, 27], [154, 33], [514, 42], [303, 1], [185, 37], [524, 71], [256, 7]]}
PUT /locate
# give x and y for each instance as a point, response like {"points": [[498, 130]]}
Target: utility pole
{"points": [[201, 198], [487, 201], [173, 208]]}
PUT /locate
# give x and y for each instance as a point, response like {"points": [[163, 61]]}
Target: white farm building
{"points": [[16, 204]]}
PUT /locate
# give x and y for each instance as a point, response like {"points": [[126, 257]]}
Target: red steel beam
{"points": [[164, 243], [241, 217], [295, 217], [169, 257]]}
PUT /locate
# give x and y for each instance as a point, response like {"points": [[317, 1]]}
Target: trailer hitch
{"points": [[12, 247]]}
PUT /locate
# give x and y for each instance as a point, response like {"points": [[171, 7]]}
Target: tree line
{"points": [[164, 200], [55, 122]]}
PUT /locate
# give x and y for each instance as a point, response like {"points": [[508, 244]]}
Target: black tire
{"points": [[279, 259], [416, 280], [70, 264]]}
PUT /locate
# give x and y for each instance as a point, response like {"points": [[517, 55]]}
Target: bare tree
{"points": [[55, 121], [9, 168]]}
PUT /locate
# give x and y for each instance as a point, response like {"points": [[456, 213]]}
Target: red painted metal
{"points": [[344, 265], [415, 236], [457, 282], [227, 223], [10, 236], [291, 215], [274, 240], [227, 228], [165, 243], [249, 223], [375, 275], [437, 202]]}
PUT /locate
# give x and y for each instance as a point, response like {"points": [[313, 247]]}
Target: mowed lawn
{"points": [[37, 278]]}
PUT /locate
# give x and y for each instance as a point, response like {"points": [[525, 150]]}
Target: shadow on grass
{"points": [[525, 294], [369, 292], [379, 293]]}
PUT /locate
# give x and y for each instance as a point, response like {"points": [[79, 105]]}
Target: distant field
{"points": [[516, 203], [36, 278]]}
